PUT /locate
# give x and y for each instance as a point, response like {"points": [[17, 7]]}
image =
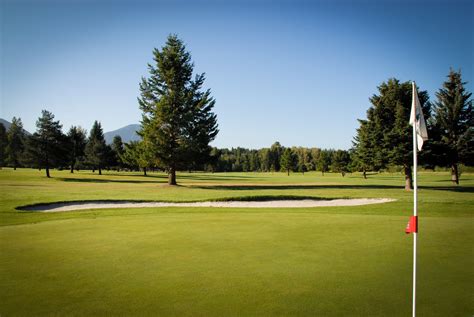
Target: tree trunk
{"points": [[288, 171], [408, 178], [72, 167], [144, 171], [47, 171], [14, 168], [364, 172], [343, 174], [100, 170], [172, 176], [455, 174]]}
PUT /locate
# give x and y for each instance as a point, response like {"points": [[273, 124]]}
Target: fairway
{"points": [[178, 261]]}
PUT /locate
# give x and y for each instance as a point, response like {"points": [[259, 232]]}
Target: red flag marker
{"points": [[412, 225]]}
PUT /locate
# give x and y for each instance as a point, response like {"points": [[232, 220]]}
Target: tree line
{"points": [[49, 148], [178, 124], [279, 158]]}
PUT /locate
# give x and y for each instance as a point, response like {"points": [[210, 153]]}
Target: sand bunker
{"points": [[305, 203]]}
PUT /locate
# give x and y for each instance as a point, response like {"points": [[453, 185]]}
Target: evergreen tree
{"points": [[3, 144], [16, 143], [177, 121], [77, 144], [389, 139], [340, 162], [454, 124], [364, 148], [324, 161], [118, 150], [48, 145], [137, 155], [96, 150], [288, 161]]}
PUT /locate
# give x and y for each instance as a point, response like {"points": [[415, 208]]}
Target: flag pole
{"points": [[415, 207]]}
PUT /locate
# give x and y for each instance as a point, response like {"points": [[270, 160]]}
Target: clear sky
{"points": [[300, 72]]}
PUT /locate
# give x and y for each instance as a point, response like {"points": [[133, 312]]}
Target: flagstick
{"points": [[415, 188]]}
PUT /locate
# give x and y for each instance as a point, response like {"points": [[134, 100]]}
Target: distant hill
{"points": [[7, 125], [128, 133]]}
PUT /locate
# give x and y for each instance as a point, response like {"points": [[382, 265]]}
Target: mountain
{"points": [[7, 125], [128, 133]]}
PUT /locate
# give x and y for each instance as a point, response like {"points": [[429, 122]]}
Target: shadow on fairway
{"points": [[97, 180], [138, 174], [286, 187], [459, 189], [189, 176]]}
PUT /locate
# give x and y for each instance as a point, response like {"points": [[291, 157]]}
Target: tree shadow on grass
{"points": [[468, 189], [138, 174], [97, 180], [215, 177]]}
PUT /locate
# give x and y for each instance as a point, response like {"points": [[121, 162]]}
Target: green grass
{"points": [[339, 261]]}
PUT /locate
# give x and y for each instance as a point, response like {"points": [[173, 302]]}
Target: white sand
{"points": [[56, 207]]}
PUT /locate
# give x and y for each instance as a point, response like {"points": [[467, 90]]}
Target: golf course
{"points": [[208, 261]]}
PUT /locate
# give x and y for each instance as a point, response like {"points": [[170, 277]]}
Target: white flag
{"points": [[417, 119]]}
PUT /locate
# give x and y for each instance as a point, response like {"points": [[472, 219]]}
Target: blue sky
{"points": [[300, 72]]}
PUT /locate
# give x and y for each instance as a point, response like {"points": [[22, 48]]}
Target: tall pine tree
{"points": [[16, 143], [118, 150], [177, 120], [96, 149], [364, 149], [77, 144], [47, 146], [3, 144], [454, 124]]}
